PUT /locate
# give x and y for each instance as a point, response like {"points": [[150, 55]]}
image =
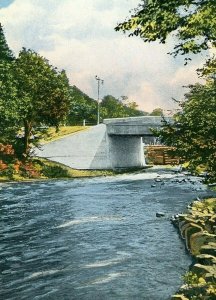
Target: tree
{"points": [[157, 112], [42, 93], [193, 22], [115, 108], [193, 132], [8, 101], [6, 54], [82, 107]]}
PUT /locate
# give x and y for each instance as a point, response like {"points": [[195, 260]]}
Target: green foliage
{"points": [[9, 115], [42, 90], [193, 132], [9, 172], [82, 107], [5, 52], [191, 278], [114, 108], [192, 22], [34, 94], [157, 112], [8, 100], [55, 171]]}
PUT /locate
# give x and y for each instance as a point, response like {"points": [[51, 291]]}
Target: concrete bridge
{"points": [[117, 143]]}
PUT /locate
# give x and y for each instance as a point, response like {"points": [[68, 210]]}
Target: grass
{"points": [[45, 169], [67, 172], [52, 135]]}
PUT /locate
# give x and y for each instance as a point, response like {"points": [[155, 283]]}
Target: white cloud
{"points": [[79, 36]]}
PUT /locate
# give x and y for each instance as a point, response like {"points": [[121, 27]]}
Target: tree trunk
{"points": [[27, 132], [57, 128]]}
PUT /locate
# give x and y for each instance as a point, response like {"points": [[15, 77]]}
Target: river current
{"points": [[96, 238]]}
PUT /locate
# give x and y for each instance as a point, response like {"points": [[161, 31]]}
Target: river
{"points": [[95, 238]]}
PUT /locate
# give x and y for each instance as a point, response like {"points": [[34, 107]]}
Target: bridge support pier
{"points": [[126, 151]]}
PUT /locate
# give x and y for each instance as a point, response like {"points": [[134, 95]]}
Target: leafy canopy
{"points": [[43, 91], [193, 22], [115, 108], [81, 107], [193, 131], [34, 93]]}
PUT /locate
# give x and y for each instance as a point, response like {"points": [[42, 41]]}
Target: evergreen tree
{"points": [[8, 101], [5, 52]]}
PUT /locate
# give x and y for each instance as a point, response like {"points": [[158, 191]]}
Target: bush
{"points": [[55, 172]]}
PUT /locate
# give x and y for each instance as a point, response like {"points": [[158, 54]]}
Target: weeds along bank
{"points": [[198, 229], [37, 169]]}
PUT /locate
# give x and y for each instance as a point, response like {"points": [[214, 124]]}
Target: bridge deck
{"points": [[133, 126]]}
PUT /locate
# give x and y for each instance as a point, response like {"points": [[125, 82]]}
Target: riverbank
{"points": [[197, 228], [42, 169]]}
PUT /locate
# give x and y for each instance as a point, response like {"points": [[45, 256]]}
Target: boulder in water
{"points": [[160, 214]]}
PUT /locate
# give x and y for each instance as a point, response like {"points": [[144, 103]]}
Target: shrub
{"points": [[55, 172]]}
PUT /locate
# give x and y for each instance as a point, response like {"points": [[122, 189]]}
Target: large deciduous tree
{"points": [[193, 22], [193, 133], [33, 94], [42, 92]]}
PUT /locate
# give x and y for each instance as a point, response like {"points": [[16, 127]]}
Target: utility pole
{"points": [[99, 82]]}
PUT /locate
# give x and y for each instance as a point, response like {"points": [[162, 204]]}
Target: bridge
{"points": [[117, 143]]}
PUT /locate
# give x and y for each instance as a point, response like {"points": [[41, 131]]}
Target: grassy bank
{"points": [[63, 131], [198, 229], [41, 169]]}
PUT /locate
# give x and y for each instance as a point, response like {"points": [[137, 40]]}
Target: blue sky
{"points": [[5, 3], [79, 36]]}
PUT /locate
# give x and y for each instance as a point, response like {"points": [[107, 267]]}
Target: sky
{"points": [[79, 37]]}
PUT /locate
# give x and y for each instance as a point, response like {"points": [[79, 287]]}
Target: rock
{"points": [[160, 214], [179, 297], [206, 259], [209, 272], [188, 229], [158, 180], [210, 249], [199, 239], [203, 174]]}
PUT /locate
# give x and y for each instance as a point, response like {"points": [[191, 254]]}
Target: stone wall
{"points": [[198, 229]]}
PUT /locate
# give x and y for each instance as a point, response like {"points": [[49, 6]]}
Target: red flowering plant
{"points": [[28, 169], [6, 160]]}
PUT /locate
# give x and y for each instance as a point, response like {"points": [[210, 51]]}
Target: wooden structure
{"points": [[159, 155]]}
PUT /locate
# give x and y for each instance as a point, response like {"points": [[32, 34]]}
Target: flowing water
{"points": [[94, 238]]}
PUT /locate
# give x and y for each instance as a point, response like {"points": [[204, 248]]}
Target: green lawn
{"points": [[52, 135]]}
